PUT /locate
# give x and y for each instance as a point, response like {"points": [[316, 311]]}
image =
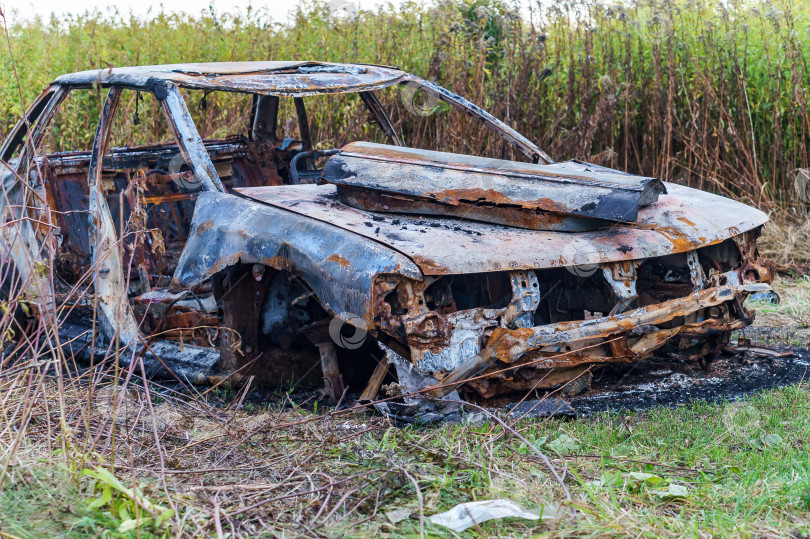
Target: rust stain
{"points": [[430, 266], [503, 340], [465, 205], [454, 196], [687, 221], [279, 263], [386, 151], [336, 258], [205, 226], [680, 241]]}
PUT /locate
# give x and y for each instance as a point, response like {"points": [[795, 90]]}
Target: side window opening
{"points": [[19, 135], [74, 123], [253, 139], [63, 155], [146, 183]]}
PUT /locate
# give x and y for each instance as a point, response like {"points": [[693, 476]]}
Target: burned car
{"points": [[279, 259]]}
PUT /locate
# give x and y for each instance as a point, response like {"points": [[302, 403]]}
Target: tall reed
{"points": [[702, 92]]}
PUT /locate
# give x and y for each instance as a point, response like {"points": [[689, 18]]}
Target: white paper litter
{"points": [[464, 515]]}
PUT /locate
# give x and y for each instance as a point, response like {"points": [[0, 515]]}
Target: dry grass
{"points": [[237, 471], [789, 321], [217, 466], [794, 309], [786, 240]]}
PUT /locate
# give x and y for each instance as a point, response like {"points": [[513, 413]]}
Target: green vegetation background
{"points": [[703, 92]]}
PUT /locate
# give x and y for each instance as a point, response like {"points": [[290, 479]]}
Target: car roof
{"points": [[288, 78]]}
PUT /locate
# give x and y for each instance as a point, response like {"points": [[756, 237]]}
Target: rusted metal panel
{"points": [[292, 78], [338, 265], [71, 191], [678, 222], [528, 195], [240, 295], [378, 201], [510, 345]]}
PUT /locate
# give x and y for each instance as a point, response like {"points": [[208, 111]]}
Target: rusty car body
{"points": [[465, 273]]}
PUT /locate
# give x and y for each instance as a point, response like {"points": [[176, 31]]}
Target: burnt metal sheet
{"points": [[409, 180], [682, 220], [190, 144], [136, 156], [378, 201], [509, 345], [292, 78], [338, 265], [161, 357]]}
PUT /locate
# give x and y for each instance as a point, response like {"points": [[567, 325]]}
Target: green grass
{"points": [[42, 500], [738, 469], [746, 477]]}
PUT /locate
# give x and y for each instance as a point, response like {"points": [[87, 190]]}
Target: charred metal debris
{"points": [[408, 275]]}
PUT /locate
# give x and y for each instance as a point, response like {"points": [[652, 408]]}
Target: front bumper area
{"points": [[626, 337]]}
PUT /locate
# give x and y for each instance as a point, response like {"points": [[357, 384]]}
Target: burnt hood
{"points": [[570, 196]]}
